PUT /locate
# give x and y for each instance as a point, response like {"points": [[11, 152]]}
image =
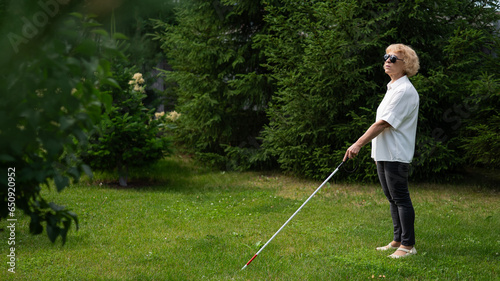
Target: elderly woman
{"points": [[393, 144]]}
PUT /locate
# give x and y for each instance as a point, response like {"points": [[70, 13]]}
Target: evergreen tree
{"points": [[457, 42], [326, 59], [221, 87]]}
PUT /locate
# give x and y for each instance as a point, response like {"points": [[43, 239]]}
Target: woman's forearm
{"points": [[372, 132]]}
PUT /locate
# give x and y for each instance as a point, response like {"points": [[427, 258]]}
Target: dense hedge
{"points": [[326, 58], [314, 69]]}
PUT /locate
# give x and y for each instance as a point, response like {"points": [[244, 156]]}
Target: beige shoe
{"points": [[385, 248], [413, 251]]}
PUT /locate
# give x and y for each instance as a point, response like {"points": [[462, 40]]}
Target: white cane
{"points": [[298, 210]]}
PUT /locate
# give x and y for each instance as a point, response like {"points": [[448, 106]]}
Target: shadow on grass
{"points": [[184, 175], [471, 177], [172, 174]]}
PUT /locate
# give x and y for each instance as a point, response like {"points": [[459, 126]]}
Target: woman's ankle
{"points": [[395, 244]]}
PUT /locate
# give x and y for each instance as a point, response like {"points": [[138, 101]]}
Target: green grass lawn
{"points": [[188, 223]]}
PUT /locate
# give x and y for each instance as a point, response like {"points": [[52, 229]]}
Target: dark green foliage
{"points": [[221, 87], [323, 68], [326, 59], [129, 135], [51, 70], [455, 60], [133, 19], [481, 141]]}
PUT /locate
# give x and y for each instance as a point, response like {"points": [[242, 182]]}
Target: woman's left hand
{"points": [[352, 151]]}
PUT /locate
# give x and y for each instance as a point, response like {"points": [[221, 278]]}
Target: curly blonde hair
{"points": [[409, 56]]}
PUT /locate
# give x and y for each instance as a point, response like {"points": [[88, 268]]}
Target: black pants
{"points": [[394, 179]]}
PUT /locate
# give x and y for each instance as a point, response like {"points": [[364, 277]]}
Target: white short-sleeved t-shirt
{"points": [[399, 108]]}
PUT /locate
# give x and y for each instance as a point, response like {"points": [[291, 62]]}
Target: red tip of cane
{"points": [[249, 261]]}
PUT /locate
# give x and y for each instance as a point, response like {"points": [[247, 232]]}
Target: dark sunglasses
{"points": [[392, 57]]}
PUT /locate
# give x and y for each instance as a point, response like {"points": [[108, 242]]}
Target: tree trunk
{"points": [[123, 173]]}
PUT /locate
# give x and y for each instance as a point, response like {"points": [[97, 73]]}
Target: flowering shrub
{"points": [[172, 116], [137, 82], [129, 136]]}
